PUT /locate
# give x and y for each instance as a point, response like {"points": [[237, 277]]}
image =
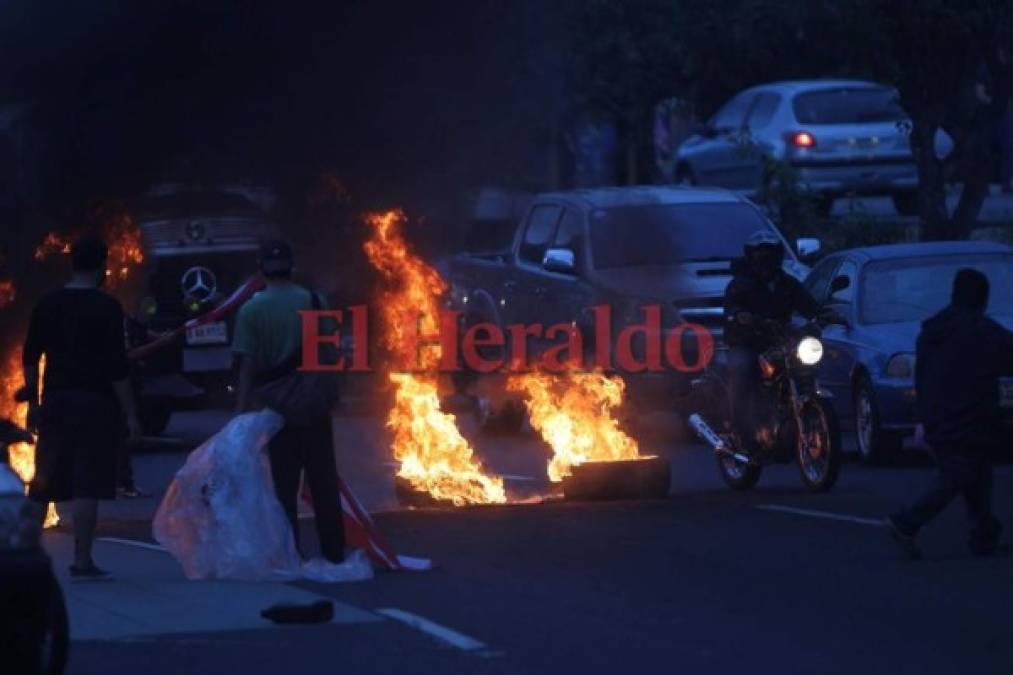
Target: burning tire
{"points": [[645, 478], [410, 497]]}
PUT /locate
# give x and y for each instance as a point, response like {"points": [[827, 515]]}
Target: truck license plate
{"points": [[1006, 392], [214, 333]]}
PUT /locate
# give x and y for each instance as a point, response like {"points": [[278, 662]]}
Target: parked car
{"points": [[840, 136], [196, 258], [623, 247], [869, 366]]}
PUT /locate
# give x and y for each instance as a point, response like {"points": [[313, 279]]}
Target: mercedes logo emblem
{"points": [[199, 283]]}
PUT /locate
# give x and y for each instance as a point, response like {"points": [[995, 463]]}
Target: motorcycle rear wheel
{"points": [[738, 475], [715, 403], [818, 446]]}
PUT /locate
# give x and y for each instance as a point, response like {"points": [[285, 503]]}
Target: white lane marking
{"points": [[826, 515], [442, 633], [131, 542]]}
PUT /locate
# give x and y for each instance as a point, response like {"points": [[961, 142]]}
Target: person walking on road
{"points": [[961, 354], [268, 346], [86, 397]]}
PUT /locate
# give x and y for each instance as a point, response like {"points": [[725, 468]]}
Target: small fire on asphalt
{"points": [[575, 414]]}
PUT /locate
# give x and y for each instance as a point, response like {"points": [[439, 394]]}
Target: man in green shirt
{"points": [[267, 343]]}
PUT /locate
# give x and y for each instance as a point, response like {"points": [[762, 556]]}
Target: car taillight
{"points": [[800, 139]]}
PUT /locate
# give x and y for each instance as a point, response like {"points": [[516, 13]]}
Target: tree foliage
{"points": [[939, 49], [629, 54]]}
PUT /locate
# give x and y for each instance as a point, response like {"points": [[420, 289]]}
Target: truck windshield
{"points": [[667, 234]]}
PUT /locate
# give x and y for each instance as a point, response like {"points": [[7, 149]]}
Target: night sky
{"points": [[407, 102]]}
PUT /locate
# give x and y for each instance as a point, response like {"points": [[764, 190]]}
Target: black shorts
{"points": [[80, 433]]}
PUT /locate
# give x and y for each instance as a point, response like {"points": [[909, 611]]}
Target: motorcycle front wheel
{"points": [[818, 446]]}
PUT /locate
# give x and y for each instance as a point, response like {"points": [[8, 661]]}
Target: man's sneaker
{"points": [[90, 573], [906, 541]]}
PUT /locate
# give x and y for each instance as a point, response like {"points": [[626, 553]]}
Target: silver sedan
{"points": [[840, 136]]}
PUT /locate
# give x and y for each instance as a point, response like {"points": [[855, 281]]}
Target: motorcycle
{"points": [[795, 418]]}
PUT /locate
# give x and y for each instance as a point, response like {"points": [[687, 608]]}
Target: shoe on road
{"points": [[906, 541]]}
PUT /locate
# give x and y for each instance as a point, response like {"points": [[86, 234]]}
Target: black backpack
{"points": [[300, 397]]}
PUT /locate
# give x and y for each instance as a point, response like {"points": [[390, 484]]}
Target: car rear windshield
{"points": [[848, 105], [666, 234], [913, 289]]}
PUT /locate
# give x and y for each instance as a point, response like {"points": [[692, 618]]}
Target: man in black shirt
{"points": [[961, 354], [86, 396]]}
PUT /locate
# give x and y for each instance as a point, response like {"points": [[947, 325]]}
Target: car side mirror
{"points": [[562, 260], [807, 247], [839, 284]]}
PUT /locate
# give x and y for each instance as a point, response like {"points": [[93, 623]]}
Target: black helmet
{"points": [[764, 251], [762, 238]]}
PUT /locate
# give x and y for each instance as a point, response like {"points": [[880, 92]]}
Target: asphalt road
{"points": [[706, 581]]}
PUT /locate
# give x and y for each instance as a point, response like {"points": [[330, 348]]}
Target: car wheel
{"points": [[905, 203], [875, 445]]}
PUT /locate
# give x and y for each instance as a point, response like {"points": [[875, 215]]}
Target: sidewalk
{"points": [[150, 596]]}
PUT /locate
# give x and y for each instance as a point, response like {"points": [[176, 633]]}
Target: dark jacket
{"points": [[777, 300], [961, 354]]}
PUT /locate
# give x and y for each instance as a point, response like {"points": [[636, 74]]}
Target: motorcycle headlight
{"points": [[901, 366], [809, 351]]}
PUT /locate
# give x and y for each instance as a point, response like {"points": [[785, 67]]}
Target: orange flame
{"points": [[52, 244], [573, 412], [434, 457], [8, 292], [22, 455], [126, 251], [123, 236]]}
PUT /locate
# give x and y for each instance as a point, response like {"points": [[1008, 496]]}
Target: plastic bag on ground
{"points": [[221, 519]]}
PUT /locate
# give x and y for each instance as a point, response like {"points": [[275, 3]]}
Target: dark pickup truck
{"points": [[624, 247]]}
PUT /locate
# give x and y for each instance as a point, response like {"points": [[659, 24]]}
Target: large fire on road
{"points": [[575, 414], [434, 457]]}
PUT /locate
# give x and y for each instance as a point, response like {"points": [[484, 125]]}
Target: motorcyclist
{"points": [[760, 293]]}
